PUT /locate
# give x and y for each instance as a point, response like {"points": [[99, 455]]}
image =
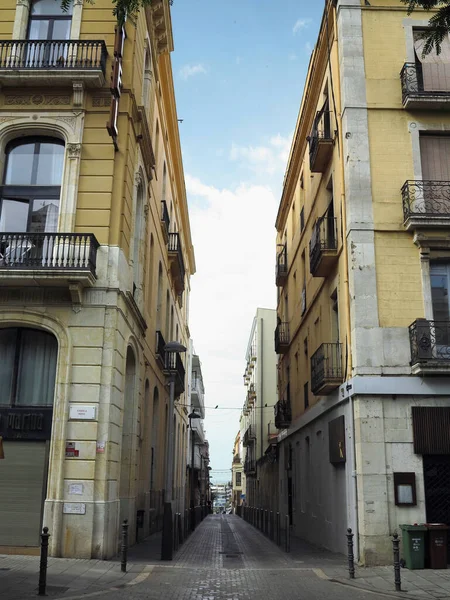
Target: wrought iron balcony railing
{"points": [[249, 466], [249, 435], [282, 338], [165, 220], [281, 271], [53, 54], [323, 246], [430, 346], [174, 366], [320, 141], [419, 94], [426, 203], [48, 251], [283, 414], [177, 261], [326, 368]]}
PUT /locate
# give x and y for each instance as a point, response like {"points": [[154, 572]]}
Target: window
{"points": [[238, 479], [440, 280], [306, 395], [48, 21], [29, 199], [302, 219], [434, 69], [27, 367]]}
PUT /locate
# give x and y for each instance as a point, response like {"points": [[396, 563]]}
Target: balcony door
{"points": [[48, 22], [434, 198], [434, 68], [440, 331], [29, 197]]}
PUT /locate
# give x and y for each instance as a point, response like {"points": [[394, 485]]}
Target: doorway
{"points": [[436, 474]]}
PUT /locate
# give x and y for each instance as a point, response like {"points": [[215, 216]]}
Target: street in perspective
{"points": [[224, 299]]}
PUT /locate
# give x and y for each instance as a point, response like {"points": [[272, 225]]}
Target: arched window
{"points": [[155, 430], [27, 367], [48, 21], [164, 182], [29, 199], [138, 239], [159, 299], [167, 315]]}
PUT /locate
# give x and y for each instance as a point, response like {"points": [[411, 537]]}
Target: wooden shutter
{"points": [[435, 157]]}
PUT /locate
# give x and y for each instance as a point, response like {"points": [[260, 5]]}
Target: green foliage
{"points": [[439, 23], [121, 8]]}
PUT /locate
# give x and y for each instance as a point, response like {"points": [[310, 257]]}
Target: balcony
{"points": [[250, 466], [57, 259], [417, 94], [321, 142], [174, 366], [430, 347], [165, 221], [197, 389], [236, 459], [249, 436], [52, 62], [426, 204], [281, 271], [326, 369], [176, 262], [160, 352], [282, 339], [283, 413], [323, 247], [251, 395]]}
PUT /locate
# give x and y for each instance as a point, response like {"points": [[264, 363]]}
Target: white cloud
{"points": [[301, 24], [189, 70], [270, 159], [292, 56], [233, 232]]}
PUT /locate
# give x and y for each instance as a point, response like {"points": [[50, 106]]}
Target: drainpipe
{"points": [[353, 512]]}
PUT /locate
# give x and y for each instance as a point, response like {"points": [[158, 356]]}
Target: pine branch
{"points": [[439, 23]]}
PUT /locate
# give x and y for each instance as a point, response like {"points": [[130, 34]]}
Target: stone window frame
{"points": [[54, 125], [22, 16]]}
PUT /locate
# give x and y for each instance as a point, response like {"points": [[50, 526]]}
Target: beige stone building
{"points": [[237, 476], [95, 263]]}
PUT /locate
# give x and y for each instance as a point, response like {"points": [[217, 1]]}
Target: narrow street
{"points": [[227, 559]]}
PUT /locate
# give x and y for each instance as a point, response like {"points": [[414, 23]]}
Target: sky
{"points": [[239, 70]]}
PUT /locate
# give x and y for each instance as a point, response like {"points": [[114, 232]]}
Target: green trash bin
{"points": [[413, 537]]}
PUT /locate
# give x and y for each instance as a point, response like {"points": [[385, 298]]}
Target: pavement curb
{"points": [[393, 594], [145, 574]]}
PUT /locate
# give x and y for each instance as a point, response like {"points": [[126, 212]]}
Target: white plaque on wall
{"points": [[74, 508], [82, 412], [76, 488]]}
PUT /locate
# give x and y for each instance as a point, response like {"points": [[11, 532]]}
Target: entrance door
{"points": [[23, 477], [436, 473]]}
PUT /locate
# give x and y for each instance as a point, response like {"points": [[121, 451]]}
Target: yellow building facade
{"points": [[362, 276], [95, 265]]}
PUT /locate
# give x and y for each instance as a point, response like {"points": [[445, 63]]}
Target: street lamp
{"points": [[191, 416], [167, 532]]}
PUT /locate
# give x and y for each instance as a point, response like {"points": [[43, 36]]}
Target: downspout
{"points": [[353, 513]]}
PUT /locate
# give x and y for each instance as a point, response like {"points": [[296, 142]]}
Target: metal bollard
{"points": [[288, 540], [271, 525], [186, 521], [43, 563], [278, 526], [180, 530], [396, 548], [124, 547], [266, 523], [351, 558]]}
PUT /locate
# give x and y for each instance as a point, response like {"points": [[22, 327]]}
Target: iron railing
{"points": [[321, 131], [249, 435], [174, 365], [326, 365], [426, 199], [303, 301], [282, 266], [53, 54], [174, 245], [54, 251], [282, 338], [324, 237], [411, 77], [430, 341], [249, 466], [283, 414], [165, 219]]}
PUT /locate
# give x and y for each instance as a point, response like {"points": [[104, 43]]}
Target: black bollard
{"points": [[43, 563], [271, 526], [288, 533], [396, 548], [180, 530], [124, 547], [278, 527], [351, 558]]}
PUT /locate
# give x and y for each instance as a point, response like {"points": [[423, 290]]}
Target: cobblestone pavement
{"points": [[224, 559]]}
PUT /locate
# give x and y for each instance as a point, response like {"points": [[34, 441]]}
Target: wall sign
{"points": [[405, 489], [336, 433], [74, 508], [116, 84], [76, 489], [71, 450], [82, 412], [26, 423]]}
